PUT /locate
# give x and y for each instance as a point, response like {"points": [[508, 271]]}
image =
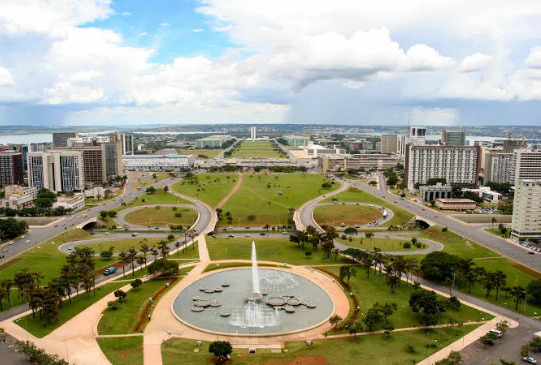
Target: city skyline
{"points": [[93, 62]]}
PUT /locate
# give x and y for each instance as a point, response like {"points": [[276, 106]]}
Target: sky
{"points": [[358, 62]]}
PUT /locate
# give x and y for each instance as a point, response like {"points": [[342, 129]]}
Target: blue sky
{"points": [[87, 62]]}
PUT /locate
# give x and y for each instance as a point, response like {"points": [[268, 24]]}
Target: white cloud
{"points": [[5, 77], [475, 62], [534, 58], [197, 30]]}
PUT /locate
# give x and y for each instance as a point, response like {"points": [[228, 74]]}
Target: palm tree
{"points": [[140, 261], [489, 282], [163, 248], [132, 253], [392, 280], [144, 249], [378, 259], [155, 253], [494, 220], [266, 227], [177, 245], [518, 293], [123, 260], [500, 281]]}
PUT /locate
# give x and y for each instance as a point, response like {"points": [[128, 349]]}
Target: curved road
{"points": [[67, 247]]}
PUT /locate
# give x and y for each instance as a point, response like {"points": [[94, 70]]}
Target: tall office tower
{"points": [[93, 164], [60, 139], [527, 210], [511, 144], [11, 168], [458, 165], [389, 143], [56, 170], [453, 138], [127, 144], [253, 133], [498, 167], [526, 165], [111, 158], [402, 143], [416, 135]]}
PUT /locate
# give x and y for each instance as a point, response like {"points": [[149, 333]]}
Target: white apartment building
{"points": [[497, 166], [158, 162], [458, 165], [527, 210], [416, 135], [56, 170], [526, 165], [253, 133], [18, 197]]}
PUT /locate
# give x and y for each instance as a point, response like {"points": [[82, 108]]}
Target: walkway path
{"points": [[235, 188]]}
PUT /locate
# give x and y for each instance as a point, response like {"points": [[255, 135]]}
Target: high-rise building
{"points": [[389, 143], [511, 144], [453, 138], [253, 133], [458, 165], [11, 168], [60, 139], [56, 170], [127, 144], [416, 135], [527, 210], [497, 166], [526, 165], [93, 164]]}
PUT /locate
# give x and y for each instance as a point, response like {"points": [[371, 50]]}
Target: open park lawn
{"points": [[268, 249], [348, 214], [191, 252], [370, 349], [162, 216], [123, 350], [121, 245], [498, 233], [353, 194], [159, 197], [69, 310], [201, 153], [271, 199], [374, 289], [209, 188], [257, 149], [456, 244], [123, 319], [385, 244], [146, 179]]}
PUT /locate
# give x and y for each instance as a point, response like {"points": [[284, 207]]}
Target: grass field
{"points": [[201, 153], [270, 199], [159, 197], [162, 216], [146, 179], [123, 350], [353, 194], [121, 245], [369, 349], [68, 310], [374, 289], [268, 249], [190, 252], [123, 320], [385, 244], [211, 188], [496, 231], [257, 149], [349, 215]]}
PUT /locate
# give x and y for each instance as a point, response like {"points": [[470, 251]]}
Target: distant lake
{"points": [[26, 138]]}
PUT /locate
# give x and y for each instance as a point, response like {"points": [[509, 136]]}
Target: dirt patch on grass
{"points": [[300, 360], [527, 271]]}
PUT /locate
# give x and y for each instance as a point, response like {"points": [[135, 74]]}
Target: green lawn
{"points": [[123, 350], [122, 320], [201, 153], [268, 249], [457, 245], [349, 215], [190, 252], [374, 289], [384, 244], [159, 197], [370, 349], [121, 245], [162, 216], [497, 232], [257, 149], [269, 199], [353, 194], [210, 188], [146, 179], [68, 311]]}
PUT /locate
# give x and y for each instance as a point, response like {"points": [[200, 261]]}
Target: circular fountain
{"points": [[253, 301]]}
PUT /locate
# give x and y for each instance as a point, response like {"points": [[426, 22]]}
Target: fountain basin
{"points": [[277, 284]]}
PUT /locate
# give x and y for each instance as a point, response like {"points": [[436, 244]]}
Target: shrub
{"points": [[112, 305], [406, 245]]}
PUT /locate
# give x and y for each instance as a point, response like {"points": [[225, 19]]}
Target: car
{"points": [[109, 271], [27, 241], [246, 235], [92, 233], [69, 248], [156, 227], [134, 234], [108, 233], [23, 237], [231, 236], [496, 332], [56, 225], [262, 234], [11, 243], [423, 209], [531, 253], [2, 256], [246, 227], [529, 360]]}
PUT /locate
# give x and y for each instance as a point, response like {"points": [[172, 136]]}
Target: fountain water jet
{"points": [[255, 273]]}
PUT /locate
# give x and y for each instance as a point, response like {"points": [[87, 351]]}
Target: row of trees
{"points": [[316, 239], [11, 228]]}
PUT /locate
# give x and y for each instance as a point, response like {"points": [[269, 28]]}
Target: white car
{"points": [[529, 360]]}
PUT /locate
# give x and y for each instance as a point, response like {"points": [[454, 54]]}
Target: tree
{"points": [[518, 293], [500, 281], [427, 304], [103, 214], [489, 339], [535, 344], [392, 280], [351, 231], [136, 283], [454, 358], [347, 271], [144, 248], [334, 320], [111, 214], [355, 328], [132, 254], [502, 326], [534, 291], [150, 190], [170, 237], [120, 294], [440, 265], [164, 249], [221, 349], [166, 188], [163, 267]]}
